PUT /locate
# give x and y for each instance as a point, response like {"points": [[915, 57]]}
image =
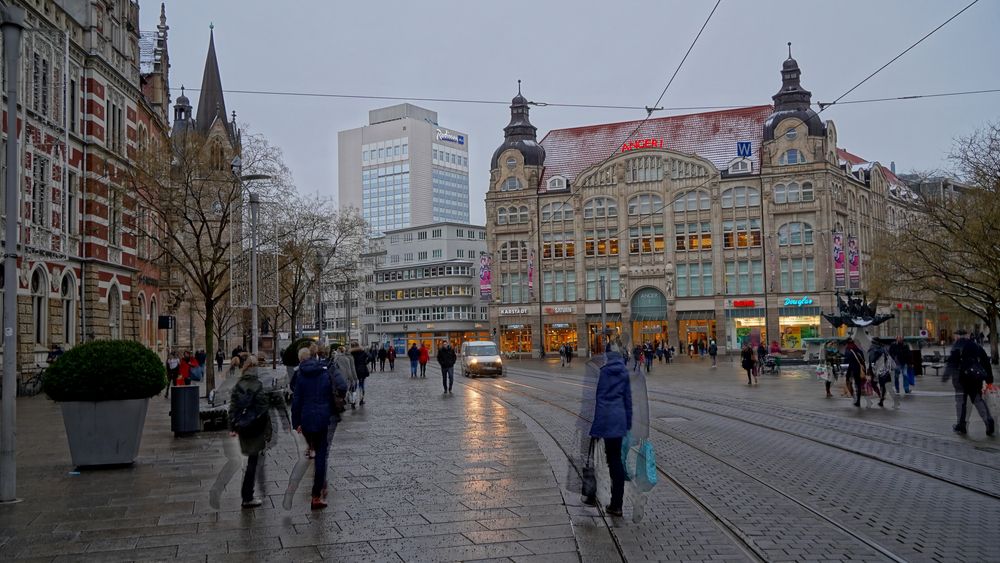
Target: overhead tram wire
{"points": [[823, 107]]}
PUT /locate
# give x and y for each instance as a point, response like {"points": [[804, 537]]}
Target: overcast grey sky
{"points": [[595, 52]]}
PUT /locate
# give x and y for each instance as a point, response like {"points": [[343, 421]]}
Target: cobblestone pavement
{"points": [[772, 472], [789, 474], [416, 475]]}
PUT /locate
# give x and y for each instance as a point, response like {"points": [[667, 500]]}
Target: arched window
{"points": [[501, 216], [67, 294], [645, 204], [740, 196], [142, 319], [40, 306], [600, 207], [511, 184], [792, 156], [693, 200], [557, 183], [795, 233], [522, 214], [514, 251], [115, 312], [560, 211]]}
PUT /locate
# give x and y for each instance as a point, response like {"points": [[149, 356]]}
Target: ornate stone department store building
{"points": [[717, 225]]}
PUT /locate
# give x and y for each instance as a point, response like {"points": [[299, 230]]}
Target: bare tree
{"points": [[201, 205], [951, 248]]}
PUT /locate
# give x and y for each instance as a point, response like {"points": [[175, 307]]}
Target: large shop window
{"points": [[694, 280], [557, 334], [693, 236], [600, 242], [740, 196], [515, 338], [744, 277], [694, 200], [558, 245], [612, 288], [742, 233], [794, 329], [795, 233], [600, 207], [798, 274], [559, 286]]}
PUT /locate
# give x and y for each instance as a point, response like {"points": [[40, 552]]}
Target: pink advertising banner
{"points": [[485, 277], [853, 262], [531, 273], [839, 271]]}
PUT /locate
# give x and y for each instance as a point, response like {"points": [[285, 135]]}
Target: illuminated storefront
{"points": [[746, 323], [614, 325], [515, 338], [648, 310], [557, 334], [797, 319], [696, 327]]}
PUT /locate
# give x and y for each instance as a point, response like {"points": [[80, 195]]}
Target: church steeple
{"points": [[211, 102], [520, 134]]}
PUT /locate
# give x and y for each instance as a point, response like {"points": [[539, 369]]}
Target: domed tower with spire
{"points": [[793, 133], [517, 163]]}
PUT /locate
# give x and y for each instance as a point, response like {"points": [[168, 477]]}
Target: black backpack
{"points": [[245, 412]]}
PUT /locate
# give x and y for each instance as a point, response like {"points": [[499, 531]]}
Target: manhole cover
{"points": [[672, 419]]}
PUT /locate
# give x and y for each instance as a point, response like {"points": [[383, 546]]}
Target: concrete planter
{"points": [[104, 433]]}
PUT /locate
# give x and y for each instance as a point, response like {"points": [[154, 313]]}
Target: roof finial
{"points": [[182, 89], [789, 49], [211, 26], [518, 86]]}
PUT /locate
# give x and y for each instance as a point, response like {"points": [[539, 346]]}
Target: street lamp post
{"points": [[319, 296], [237, 168], [11, 27]]}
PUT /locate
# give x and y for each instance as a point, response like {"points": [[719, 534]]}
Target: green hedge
{"points": [[105, 370], [290, 357]]}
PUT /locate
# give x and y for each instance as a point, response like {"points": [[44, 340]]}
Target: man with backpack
{"points": [[969, 368], [249, 420]]}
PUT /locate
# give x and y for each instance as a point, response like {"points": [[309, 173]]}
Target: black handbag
{"points": [[588, 477]]}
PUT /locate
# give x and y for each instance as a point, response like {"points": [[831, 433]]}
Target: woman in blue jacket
{"points": [[613, 419], [313, 414]]}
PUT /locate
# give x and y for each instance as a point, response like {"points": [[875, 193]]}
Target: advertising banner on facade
{"points": [[486, 277], [839, 271], [854, 262], [531, 273]]}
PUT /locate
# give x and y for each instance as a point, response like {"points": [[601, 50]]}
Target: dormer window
{"points": [[557, 183], [792, 156], [741, 166], [511, 163], [511, 184]]}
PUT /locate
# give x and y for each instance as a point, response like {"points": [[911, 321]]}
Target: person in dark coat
{"points": [[969, 368], [446, 359], [613, 420], [372, 356], [383, 355], [759, 360], [255, 436], [313, 415], [899, 351], [748, 362], [713, 351], [220, 357], [390, 355], [855, 358], [414, 355], [361, 367]]}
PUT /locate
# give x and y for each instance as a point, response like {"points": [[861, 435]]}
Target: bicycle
{"points": [[32, 385]]}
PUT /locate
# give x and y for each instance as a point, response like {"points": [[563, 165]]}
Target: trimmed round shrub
{"points": [[290, 357], [105, 370]]}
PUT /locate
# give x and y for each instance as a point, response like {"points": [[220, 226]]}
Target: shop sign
{"points": [[514, 311], [697, 328], [642, 144], [557, 310], [514, 327], [650, 330], [918, 307], [800, 302], [445, 135], [560, 325], [744, 303]]}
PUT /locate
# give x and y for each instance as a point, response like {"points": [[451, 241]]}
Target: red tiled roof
{"points": [[852, 158], [711, 135]]}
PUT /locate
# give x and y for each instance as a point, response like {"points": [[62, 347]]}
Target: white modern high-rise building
{"points": [[404, 169]]}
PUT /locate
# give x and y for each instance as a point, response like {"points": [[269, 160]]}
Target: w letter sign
{"points": [[743, 149]]}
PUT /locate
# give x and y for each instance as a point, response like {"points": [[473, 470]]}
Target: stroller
{"points": [[771, 365]]}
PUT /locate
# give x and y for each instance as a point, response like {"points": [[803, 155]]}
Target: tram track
{"points": [[731, 530], [856, 451]]}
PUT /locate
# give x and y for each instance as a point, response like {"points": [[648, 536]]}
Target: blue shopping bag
{"points": [[645, 467]]}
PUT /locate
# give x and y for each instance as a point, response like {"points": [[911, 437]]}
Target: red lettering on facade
{"points": [[743, 303], [642, 144]]}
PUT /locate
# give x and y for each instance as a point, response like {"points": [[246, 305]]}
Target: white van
{"points": [[481, 358]]}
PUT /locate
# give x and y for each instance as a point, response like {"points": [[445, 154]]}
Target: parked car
{"points": [[481, 358]]}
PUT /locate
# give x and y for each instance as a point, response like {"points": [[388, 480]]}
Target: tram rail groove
{"points": [[729, 530], [848, 449], [794, 500]]}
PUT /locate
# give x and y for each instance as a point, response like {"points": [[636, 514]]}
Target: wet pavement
{"points": [[769, 472]]}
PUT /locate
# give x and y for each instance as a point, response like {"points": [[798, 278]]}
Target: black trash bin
{"points": [[917, 361], [185, 417]]}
